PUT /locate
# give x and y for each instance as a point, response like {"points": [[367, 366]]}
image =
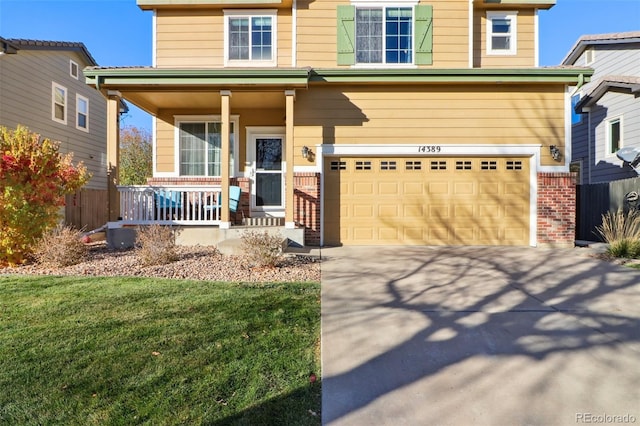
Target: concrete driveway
{"points": [[478, 336]]}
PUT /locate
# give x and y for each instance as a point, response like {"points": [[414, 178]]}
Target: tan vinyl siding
{"points": [[165, 131], [317, 33], [165, 139], [25, 99], [474, 114], [525, 56], [195, 38]]}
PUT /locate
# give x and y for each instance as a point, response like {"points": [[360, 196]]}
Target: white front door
{"points": [[266, 155]]}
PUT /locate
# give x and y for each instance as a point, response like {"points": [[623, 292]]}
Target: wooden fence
{"points": [[87, 209], [596, 199]]}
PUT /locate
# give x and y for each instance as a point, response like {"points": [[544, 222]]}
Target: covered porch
{"points": [[213, 130]]}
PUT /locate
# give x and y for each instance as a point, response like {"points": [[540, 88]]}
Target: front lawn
{"points": [[120, 351]]}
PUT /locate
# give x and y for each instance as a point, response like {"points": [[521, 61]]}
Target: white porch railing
{"points": [[170, 205]]}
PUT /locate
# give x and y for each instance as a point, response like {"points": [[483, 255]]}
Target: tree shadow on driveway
{"points": [[482, 335]]}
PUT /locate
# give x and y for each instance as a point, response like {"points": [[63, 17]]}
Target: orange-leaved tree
{"points": [[34, 178]]}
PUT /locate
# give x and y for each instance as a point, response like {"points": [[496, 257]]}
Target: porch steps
{"points": [[263, 221]]}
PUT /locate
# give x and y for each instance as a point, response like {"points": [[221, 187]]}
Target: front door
{"points": [[267, 189]]}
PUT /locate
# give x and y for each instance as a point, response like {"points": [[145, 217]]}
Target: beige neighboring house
{"points": [[354, 122], [42, 86]]}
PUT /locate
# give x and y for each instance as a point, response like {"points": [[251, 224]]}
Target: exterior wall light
{"points": [[555, 152], [305, 152]]}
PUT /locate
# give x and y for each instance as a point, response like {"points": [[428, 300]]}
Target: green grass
{"points": [[121, 351]]}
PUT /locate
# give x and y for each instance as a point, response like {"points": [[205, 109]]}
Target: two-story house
{"points": [[607, 114], [360, 122], [42, 87]]}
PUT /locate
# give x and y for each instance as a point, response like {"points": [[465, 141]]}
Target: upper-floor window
{"points": [[82, 113], [73, 69], [502, 33], [250, 38], [200, 145], [614, 135], [58, 103], [385, 35], [589, 56]]}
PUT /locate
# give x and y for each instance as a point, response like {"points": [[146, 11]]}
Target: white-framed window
{"points": [[613, 135], [82, 113], [250, 37], [384, 35], [589, 56], [502, 33], [58, 103], [74, 70], [199, 145]]}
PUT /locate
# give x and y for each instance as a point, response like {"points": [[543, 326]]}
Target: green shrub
{"points": [[156, 245], [621, 230], [61, 246], [262, 248]]}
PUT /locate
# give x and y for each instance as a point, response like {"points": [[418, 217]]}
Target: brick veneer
{"points": [[556, 209], [306, 201]]}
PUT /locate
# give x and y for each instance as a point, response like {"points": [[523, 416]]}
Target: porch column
{"points": [[290, 96], [225, 173], [113, 154]]}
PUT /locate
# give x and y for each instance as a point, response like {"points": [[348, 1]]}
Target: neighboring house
{"points": [[359, 122], [42, 86], [607, 110]]}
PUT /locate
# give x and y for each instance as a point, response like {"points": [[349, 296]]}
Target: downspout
{"points": [[470, 33], [294, 34]]}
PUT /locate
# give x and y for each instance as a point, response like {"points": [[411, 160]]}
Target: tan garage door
{"points": [[433, 201]]}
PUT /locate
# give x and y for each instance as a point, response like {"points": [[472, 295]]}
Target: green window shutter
{"points": [[346, 35], [424, 35]]}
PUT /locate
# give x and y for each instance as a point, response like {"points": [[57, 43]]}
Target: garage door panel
{"points": [[388, 234], [388, 188], [438, 188], [438, 235], [363, 211], [364, 234], [463, 235], [427, 201], [464, 188], [390, 211], [362, 188], [412, 188], [490, 211], [463, 211], [412, 211], [439, 212]]}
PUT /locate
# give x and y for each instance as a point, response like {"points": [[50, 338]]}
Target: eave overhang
{"points": [[198, 78], [211, 4], [538, 4], [629, 85], [571, 76]]}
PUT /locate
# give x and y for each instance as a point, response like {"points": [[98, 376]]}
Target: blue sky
{"points": [[118, 33]]}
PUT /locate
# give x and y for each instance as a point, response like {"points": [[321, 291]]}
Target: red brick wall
{"points": [[556, 209], [306, 201]]}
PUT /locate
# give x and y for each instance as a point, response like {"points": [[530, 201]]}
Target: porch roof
{"points": [[153, 89]]}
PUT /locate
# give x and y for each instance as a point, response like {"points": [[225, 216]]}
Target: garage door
{"points": [[433, 201]]}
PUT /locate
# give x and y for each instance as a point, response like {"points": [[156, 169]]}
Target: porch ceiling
{"points": [[153, 89], [154, 101]]}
